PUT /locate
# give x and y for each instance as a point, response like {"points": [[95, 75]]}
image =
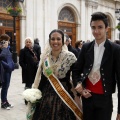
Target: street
{"points": [[15, 97]]}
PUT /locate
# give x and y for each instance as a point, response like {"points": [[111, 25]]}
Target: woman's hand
{"points": [[79, 88]]}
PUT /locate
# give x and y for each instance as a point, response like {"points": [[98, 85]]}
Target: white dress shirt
{"points": [[94, 75]]}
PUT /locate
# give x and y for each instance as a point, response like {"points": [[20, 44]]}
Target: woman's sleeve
{"points": [[22, 59]]}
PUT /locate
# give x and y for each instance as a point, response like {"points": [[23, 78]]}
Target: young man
{"points": [[96, 72]]}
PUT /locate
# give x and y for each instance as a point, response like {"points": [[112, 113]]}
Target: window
{"points": [[6, 23], [5, 3], [66, 15]]}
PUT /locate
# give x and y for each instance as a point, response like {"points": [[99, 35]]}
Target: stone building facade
{"points": [[39, 17]]}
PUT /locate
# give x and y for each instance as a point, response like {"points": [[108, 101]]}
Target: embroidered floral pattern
{"points": [[94, 76]]}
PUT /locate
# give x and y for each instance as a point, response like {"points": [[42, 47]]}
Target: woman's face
{"points": [[28, 43], [56, 41]]}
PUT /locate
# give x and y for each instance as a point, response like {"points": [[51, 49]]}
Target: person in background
{"points": [[70, 48], [37, 47], [83, 42], [78, 45], [28, 60], [36, 41], [88, 41], [117, 42], [60, 62], [6, 68], [10, 48], [97, 71]]}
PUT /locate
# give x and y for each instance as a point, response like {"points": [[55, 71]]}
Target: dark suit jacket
{"points": [[109, 69], [78, 51]]}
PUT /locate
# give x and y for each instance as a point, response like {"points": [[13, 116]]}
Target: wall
{"points": [[41, 16]]}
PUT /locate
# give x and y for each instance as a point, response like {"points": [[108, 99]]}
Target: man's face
{"points": [[99, 30]]}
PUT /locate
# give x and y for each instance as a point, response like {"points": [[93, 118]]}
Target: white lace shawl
{"points": [[62, 65], [60, 68]]}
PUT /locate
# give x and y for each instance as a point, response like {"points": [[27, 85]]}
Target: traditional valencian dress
{"points": [[51, 106]]}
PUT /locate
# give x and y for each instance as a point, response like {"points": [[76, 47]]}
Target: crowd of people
{"points": [[93, 67]]}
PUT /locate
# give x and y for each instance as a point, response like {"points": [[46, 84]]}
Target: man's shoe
{"points": [[5, 106], [9, 105]]}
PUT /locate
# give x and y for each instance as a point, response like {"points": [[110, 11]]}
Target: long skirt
{"points": [[51, 107]]}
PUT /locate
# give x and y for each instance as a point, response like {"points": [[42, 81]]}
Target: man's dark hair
{"points": [[99, 16]]}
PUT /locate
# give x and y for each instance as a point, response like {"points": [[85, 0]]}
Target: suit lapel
{"points": [[106, 52], [90, 53]]}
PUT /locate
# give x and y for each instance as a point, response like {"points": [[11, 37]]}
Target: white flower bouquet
{"points": [[32, 95]]}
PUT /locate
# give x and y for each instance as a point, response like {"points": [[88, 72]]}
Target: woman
{"points": [[78, 45], [54, 70], [28, 61], [6, 68]]}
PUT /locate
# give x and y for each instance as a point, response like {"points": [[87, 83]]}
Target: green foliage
{"points": [[117, 27], [14, 11]]}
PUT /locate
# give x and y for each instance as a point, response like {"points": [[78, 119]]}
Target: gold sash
{"points": [[60, 90]]}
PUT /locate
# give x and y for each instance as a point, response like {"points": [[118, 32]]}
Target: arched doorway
{"points": [[6, 24], [66, 22]]}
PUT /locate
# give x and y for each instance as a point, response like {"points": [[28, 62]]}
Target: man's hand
{"points": [[86, 93], [118, 117]]}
